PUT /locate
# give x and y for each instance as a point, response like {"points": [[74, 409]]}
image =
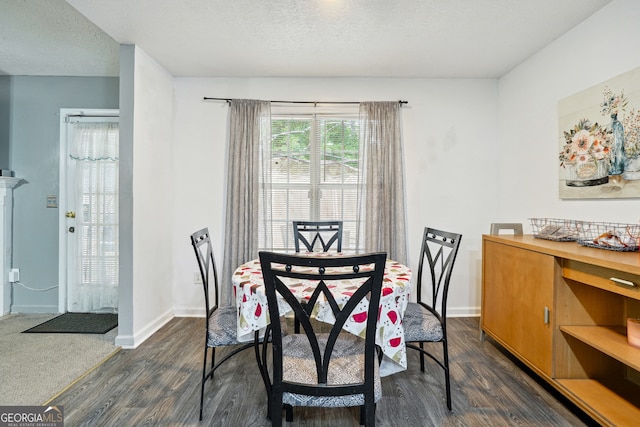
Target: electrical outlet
{"points": [[14, 275], [197, 278]]}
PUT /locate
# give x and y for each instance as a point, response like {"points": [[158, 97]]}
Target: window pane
{"points": [[280, 235], [299, 205], [314, 175], [339, 139], [291, 150], [338, 203], [349, 237]]}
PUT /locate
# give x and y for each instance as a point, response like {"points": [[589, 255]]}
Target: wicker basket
{"points": [[559, 230], [609, 235]]}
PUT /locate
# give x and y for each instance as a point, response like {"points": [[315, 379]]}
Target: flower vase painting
{"points": [[600, 140]]}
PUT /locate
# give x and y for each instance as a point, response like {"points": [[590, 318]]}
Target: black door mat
{"points": [[77, 323]]}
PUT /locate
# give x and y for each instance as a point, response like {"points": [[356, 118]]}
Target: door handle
{"points": [[70, 214], [547, 312], [72, 229]]}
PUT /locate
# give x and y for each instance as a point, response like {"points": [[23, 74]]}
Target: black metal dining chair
{"points": [[324, 369], [323, 233], [310, 233], [220, 321], [425, 321]]}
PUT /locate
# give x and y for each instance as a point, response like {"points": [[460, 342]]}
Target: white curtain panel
{"points": [[382, 201], [247, 221], [93, 285]]}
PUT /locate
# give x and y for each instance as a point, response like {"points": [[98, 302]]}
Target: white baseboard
{"points": [[133, 341], [463, 311], [53, 309], [189, 312]]}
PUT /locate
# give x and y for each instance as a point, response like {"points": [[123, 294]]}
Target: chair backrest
{"points": [[201, 242], [366, 270], [438, 255], [325, 233], [514, 227]]}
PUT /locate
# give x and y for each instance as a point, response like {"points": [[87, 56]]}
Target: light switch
{"points": [[52, 201]]}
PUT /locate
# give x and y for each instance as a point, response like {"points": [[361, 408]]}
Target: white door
{"points": [[88, 205]]}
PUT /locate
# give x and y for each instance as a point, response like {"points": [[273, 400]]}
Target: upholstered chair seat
{"points": [[421, 325], [346, 367]]}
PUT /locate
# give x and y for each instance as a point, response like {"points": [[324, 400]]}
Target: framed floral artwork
{"points": [[599, 147]]}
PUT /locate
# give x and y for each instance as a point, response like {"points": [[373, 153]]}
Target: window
{"points": [[315, 171]]}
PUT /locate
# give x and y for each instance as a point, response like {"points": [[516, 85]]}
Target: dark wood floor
{"points": [[157, 384]]}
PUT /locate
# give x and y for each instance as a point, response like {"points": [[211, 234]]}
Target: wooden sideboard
{"points": [[562, 308]]}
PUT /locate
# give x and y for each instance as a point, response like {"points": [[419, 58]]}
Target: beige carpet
{"points": [[36, 367]]}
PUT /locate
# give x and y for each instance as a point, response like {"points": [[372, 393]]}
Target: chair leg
{"points": [[276, 410], [261, 360], [205, 376], [213, 361], [296, 325], [209, 375], [289, 412], [368, 415], [444, 364], [447, 380]]}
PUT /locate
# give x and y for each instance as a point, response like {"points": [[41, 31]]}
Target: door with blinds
{"points": [[89, 211]]}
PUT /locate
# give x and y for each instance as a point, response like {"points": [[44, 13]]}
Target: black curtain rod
{"points": [[228, 100]]}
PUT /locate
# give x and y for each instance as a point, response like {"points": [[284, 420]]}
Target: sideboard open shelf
{"points": [[561, 308]]}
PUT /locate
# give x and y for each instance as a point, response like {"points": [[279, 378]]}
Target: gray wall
{"points": [[125, 278], [34, 106], [5, 94]]}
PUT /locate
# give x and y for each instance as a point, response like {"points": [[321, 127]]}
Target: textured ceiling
{"points": [[50, 38], [285, 38]]}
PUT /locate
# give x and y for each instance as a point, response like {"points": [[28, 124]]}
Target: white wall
{"points": [[153, 216], [451, 164], [602, 47], [151, 115]]}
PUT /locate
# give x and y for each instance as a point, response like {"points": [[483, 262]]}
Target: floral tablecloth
{"points": [[251, 301]]}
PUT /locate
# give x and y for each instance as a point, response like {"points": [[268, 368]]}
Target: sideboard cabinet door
{"points": [[517, 302]]}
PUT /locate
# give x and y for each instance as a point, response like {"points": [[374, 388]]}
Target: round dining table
{"points": [[251, 302]]}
